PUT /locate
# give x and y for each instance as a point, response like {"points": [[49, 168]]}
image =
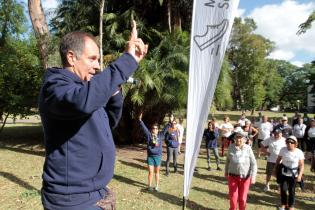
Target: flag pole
{"points": [[184, 202]]}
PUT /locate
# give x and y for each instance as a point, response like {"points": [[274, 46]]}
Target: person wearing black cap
{"points": [[272, 145], [285, 127], [291, 169]]}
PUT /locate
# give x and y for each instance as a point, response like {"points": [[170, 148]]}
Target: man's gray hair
{"points": [[74, 41]]}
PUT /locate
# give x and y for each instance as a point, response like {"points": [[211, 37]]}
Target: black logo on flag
{"points": [[213, 34]]}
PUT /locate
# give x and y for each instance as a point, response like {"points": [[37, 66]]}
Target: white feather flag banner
{"points": [[211, 27]]}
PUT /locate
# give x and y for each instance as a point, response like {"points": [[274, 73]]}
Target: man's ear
{"points": [[71, 57]]}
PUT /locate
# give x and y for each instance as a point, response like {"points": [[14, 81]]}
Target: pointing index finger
{"points": [[134, 32]]}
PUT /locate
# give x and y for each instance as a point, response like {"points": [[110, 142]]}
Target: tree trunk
{"points": [[177, 20], [4, 122], [169, 21], [4, 31], [40, 28], [101, 33]]}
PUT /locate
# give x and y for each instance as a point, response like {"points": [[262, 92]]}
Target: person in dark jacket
{"points": [[78, 109], [284, 127], [211, 135], [154, 140], [171, 140]]}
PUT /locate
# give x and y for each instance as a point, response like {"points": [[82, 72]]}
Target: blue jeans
{"points": [[216, 155]]}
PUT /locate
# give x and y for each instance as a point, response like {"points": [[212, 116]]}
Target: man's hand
{"points": [[135, 45], [253, 180]]}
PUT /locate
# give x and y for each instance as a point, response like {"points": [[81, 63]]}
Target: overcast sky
{"points": [[277, 20]]}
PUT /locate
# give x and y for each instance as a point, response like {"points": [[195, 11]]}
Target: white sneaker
{"points": [[267, 188]]}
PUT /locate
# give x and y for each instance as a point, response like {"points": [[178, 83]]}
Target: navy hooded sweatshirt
{"points": [[152, 148], [77, 118]]}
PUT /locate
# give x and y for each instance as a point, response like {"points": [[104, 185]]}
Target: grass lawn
{"points": [[22, 157]]}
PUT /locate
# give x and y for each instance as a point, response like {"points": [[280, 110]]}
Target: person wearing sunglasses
{"points": [[272, 146], [154, 140], [290, 163]]}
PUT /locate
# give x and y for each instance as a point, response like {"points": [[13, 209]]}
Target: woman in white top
{"points": [[299, 132], [291, 171], [226, 130], [264, 130]]}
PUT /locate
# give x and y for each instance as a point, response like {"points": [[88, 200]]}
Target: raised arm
{"points": [[144, 128]]}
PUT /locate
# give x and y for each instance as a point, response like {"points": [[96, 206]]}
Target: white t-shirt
{"points": [[311, 133], [299, 130], [274, 147], [242, 121], [227, 126], [291, 159], [264, 130]]}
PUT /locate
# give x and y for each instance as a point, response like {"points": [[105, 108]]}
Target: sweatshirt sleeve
{"points": [[65, 95], [145, 130], [114, 109]]}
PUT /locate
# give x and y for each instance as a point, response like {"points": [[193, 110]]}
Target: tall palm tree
{"points": [[76, 15], [163, 87]]}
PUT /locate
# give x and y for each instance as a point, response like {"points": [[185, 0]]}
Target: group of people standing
{"points": [[79, 107], [279, 142], [172, 134]]}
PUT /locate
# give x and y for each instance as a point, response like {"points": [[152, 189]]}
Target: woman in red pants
{"points": [[240, 169]]}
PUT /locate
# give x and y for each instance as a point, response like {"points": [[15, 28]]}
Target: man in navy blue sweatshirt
{"points": [[78, 109]]}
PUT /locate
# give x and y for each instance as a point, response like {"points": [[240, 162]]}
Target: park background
{"points": [[22, 157], [251, 79]]}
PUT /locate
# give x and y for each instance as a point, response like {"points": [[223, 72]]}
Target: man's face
{"points": [[86, 65]]}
